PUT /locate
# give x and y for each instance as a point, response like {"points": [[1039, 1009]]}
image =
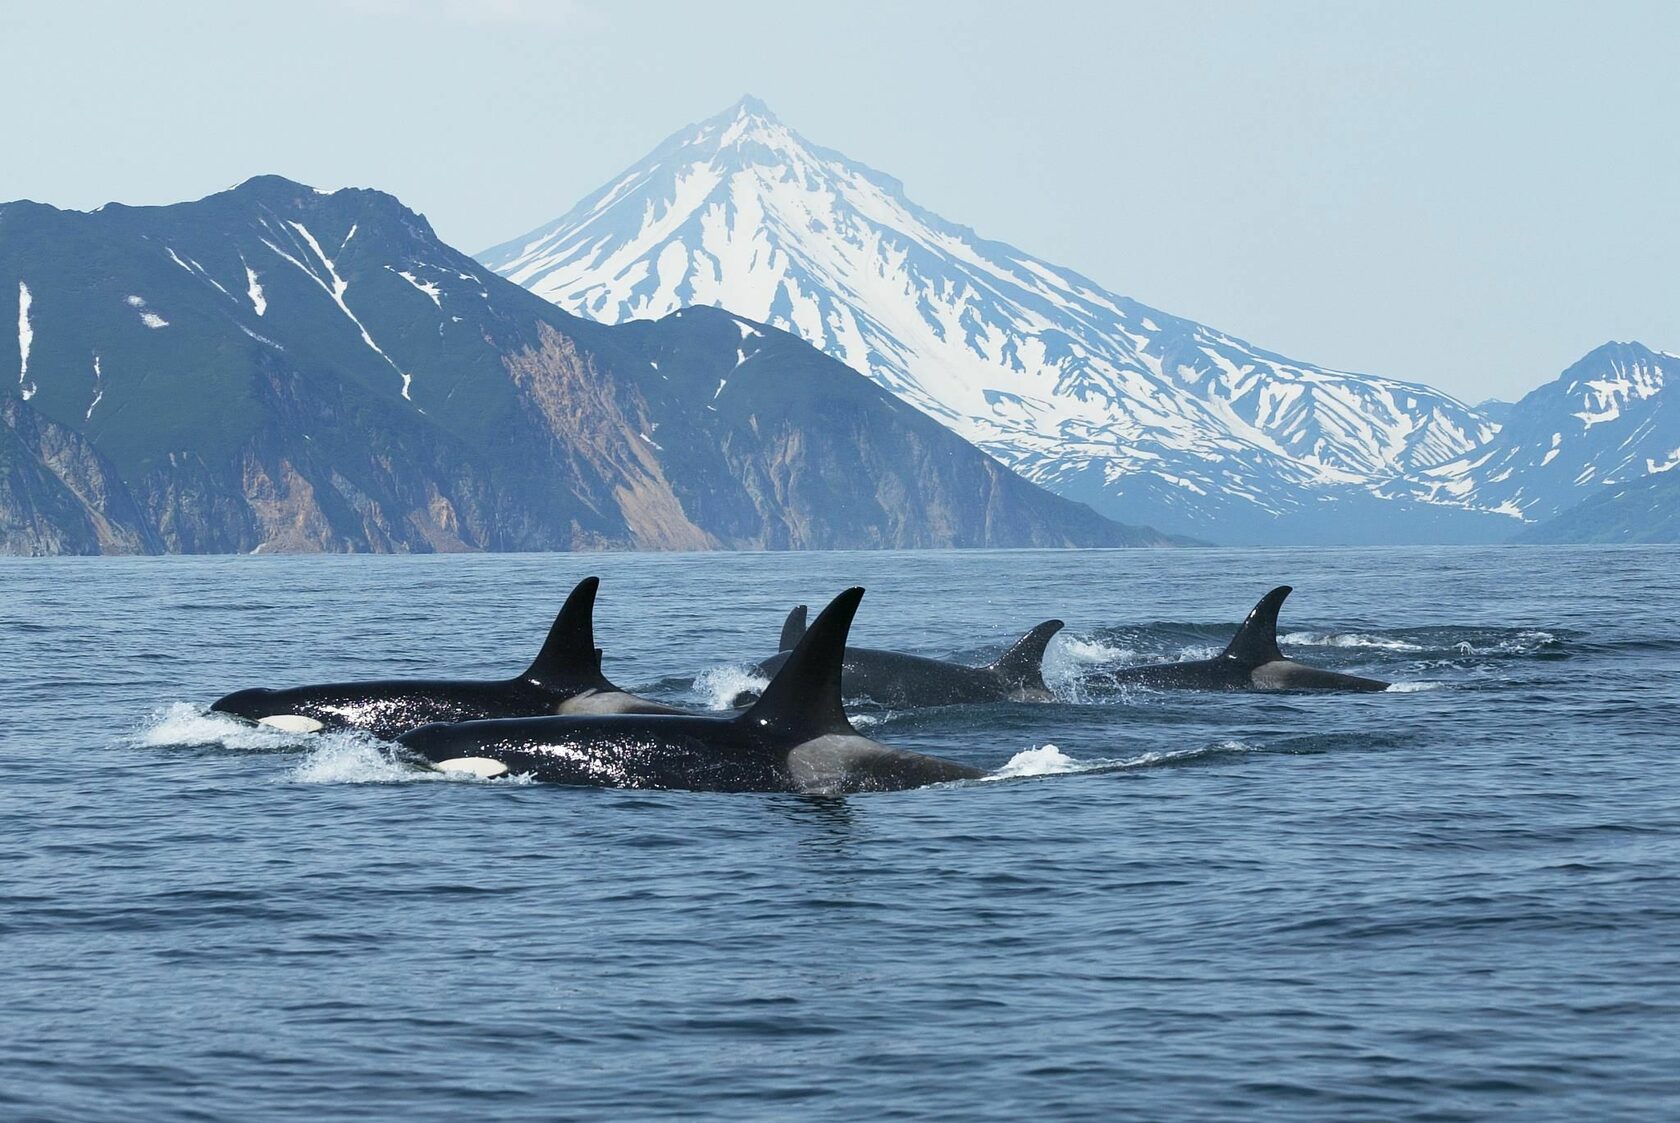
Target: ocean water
{"points": [[1459, 899]]}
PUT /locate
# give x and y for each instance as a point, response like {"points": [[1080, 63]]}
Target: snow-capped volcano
{"points": [[1145, 415]]}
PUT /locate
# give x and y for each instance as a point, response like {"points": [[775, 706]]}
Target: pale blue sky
{"points": [[1470, 195]]}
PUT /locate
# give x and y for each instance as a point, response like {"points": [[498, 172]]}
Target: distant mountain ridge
{"points": [[1604, 421], [1643, 510], [274, 367], [1091, 394]]}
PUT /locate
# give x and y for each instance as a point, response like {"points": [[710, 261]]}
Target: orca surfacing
{"points": [[1251, 661], [565, 678], [900, 680], [795, 738]]}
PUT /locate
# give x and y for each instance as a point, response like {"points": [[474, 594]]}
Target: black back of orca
{"points": [[903, 681], [1251, 661], [795, 738], [564, 677]]}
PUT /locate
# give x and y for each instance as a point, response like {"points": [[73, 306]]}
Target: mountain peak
{"points": [[749, 106], [747, 130], [1616, 351]]}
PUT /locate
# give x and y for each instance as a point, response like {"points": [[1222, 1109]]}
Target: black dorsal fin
{"points": [[803, 700], [792, 628], [1256, 641], [1023, 664], [569, 658]]}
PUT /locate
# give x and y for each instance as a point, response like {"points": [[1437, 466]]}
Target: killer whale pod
{"points": [[795, 738]]}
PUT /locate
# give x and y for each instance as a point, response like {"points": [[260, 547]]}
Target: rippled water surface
{"points": [[1454, 900]]}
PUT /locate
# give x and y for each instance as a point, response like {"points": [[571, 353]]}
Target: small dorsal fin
{"points": [[792, 628], [803, 700], [1256, 641], [1022, 666], [569, 658]]}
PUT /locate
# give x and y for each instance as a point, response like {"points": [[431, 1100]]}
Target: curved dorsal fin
{"points": [[1023, 664], [803, 700], [569, 657], [1256, 641], [792, 628]]}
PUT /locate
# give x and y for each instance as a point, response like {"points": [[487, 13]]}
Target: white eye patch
{"points": [[291, 723]]}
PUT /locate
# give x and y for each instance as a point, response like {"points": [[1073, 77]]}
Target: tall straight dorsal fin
{"points": [[792, 628], [1022, 665], [569, 658], [803, 700], [1256, 641]]}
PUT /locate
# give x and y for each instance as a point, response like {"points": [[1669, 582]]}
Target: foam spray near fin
{"points": [[1022, 666]]}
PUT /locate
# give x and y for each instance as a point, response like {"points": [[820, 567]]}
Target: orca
{"points": [[565, 678], [897, 680], [795, 738], [1251, 661]]}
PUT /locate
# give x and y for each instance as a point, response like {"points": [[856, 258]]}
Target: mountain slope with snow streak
{"points": [[1142, 414]]}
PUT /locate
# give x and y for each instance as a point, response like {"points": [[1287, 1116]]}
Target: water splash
{"points": [[1414, 687], [1349, 639], [716, 688], [350, 758], [183, 724], [1079, 650], [1068, 661], [1046, 760]]}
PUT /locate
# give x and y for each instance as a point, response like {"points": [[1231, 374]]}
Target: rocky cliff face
{"points": [[58, 495], [274, 368]]}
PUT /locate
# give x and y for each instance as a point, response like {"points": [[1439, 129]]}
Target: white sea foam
{"points": [[1080, 650], [348, 758], [1048, 760], [716, 687], [1414, 687], [1069, 658], [182, 723], [1349, 639], [1045, 760]]}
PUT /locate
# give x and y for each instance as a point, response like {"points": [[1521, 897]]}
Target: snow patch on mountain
{"points": [[148, 317], [26, 340], [254, 290], [98, 389], [430, 288]]}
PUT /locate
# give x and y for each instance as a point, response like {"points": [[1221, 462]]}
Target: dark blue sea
{"points": [[1459, 899]]}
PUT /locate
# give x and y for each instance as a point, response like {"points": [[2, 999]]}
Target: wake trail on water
{"points": [[1048, 760], [336, 757]]}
